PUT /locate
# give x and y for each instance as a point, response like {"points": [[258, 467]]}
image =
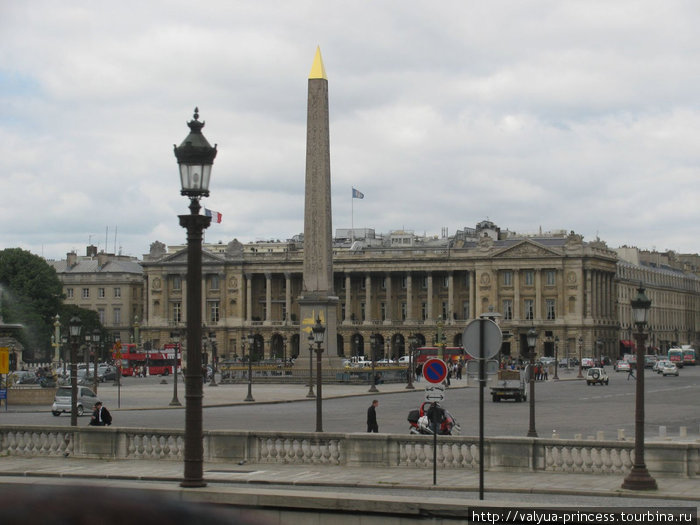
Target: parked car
{"points": [[669, 369], [622, 366], [587, 362], [404, 360], [62, 401], [597, 376]]}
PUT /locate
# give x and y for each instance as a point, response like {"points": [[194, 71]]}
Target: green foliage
{"points": [[31, 296]]}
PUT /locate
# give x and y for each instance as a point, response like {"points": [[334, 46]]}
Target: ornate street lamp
{"points": [[195, 157], [95, 346], [413, 343], [57, 339], [556, 358], [580, 358], [251, 342], [318, 331], [531, 342], [75, 326], [639, 478], [310, 339], [175, 402], [372, 346]]}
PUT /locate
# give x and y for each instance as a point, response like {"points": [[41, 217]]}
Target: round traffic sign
{"points": [[472, 338], [434, 370]]}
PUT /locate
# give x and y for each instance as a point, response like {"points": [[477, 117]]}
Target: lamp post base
{"points": [[310, 393], [175, 402], [639, 479]]}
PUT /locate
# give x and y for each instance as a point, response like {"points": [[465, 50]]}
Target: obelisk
{"points": [[318, 300]]}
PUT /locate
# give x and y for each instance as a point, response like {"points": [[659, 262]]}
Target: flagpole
{"points": [[352, 216]]}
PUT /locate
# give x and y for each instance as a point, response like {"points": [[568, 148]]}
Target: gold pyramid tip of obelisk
{"points": [[317, 69]]}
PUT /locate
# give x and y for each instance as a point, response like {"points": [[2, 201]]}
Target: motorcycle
{"points": [[430, 415]]}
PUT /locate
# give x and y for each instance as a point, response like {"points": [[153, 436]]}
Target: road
{"points": [[569, 407]]}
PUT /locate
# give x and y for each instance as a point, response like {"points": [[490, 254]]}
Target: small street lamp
{"points": [[57, 339], [373, 348], [75, 326], [212, 344], [251, 342], [556, 358], [580, 358], [310, 393], [639, 478], [319, 331], [95, 346], [531, 342], [413, 343], [175, 402]]}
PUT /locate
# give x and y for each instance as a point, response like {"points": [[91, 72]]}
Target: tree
{"points": [[31, 296]]}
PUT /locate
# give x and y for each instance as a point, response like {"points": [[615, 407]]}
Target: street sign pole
{"points": [[434, 372], [482, 381]]}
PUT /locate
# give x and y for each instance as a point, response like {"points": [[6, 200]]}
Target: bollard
{"points": [[684, 432], [555, 434], [600, 435], [662, 431], [620, 434], [578, 436]]}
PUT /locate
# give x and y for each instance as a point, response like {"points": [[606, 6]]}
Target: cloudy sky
{"points": [[552, 114]]}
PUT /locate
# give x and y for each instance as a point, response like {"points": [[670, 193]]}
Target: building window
{"points": [[507, 278], [383, 283], [101, 315], [446, 281], [382, 309], [529, 278], [177, 312], [424, 282], [214, 283], [86, 293], [342, 284], [177, 282], [342, 310], [362, 311], [404, 282], [284, 312], [101, 293], [423, 311], [403, 311], [117, 292], [507, 309], [213, 311], [551, 277], [529, 309], [444, 310], [363, 283], [69, 293], [465, 309], [117, 316], [551, 309]]}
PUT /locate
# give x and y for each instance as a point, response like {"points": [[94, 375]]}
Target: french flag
{"points": [[215, 215]]}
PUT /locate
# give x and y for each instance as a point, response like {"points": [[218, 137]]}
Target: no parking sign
{"points": [[434, 370]]}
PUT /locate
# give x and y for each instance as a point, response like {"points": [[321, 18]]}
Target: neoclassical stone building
{"points": [[395, 286]]}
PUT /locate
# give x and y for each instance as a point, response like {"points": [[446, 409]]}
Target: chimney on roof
{"points": [[91, 251], [71, 259], [102, 259]]}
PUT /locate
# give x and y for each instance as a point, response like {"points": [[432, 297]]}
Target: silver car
{"points": [[62, 401]]}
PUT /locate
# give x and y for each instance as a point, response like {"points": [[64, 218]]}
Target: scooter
{"points": [[420, 420]]}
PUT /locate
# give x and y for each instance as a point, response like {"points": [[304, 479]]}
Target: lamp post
{"points": [[251, 342], [212, 343], [319, 331], [531, 342], [639, 478], [175, 402], [413, 342], [556, 358], [75, 325], [580, 358], [310, 393], [57, 339], [372, 347], [195, 158], [95, 346]]}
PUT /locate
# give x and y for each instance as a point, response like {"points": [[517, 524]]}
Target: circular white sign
{"points": [[492, 338]]}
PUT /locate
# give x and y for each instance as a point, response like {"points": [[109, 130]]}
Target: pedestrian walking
{"points": [[372, 425], [631, 373], [100, 416]]}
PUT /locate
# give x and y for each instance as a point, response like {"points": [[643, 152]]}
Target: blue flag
{"points": [[357, 194]]}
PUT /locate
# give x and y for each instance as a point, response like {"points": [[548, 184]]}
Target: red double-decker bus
{"points": [[451, 353], [135, 361]]}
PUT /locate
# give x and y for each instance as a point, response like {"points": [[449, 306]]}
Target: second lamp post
{"points": [[531, 342], [319, 332]]}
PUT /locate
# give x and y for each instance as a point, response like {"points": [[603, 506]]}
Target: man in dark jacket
{"points": [[372, 425], [100, 416]]}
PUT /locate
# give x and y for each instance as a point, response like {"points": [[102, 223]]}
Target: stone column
{"points": [[588, 294], [538, 295], [451, 296], [248, 297], [389, 305], [287, 296], [268, 298], [348, 299], [409, 297], [472, 295], [516, 294], [430, 317], [368, 299]]}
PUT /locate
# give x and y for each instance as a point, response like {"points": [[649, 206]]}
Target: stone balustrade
{"points": [[361, 450]]}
